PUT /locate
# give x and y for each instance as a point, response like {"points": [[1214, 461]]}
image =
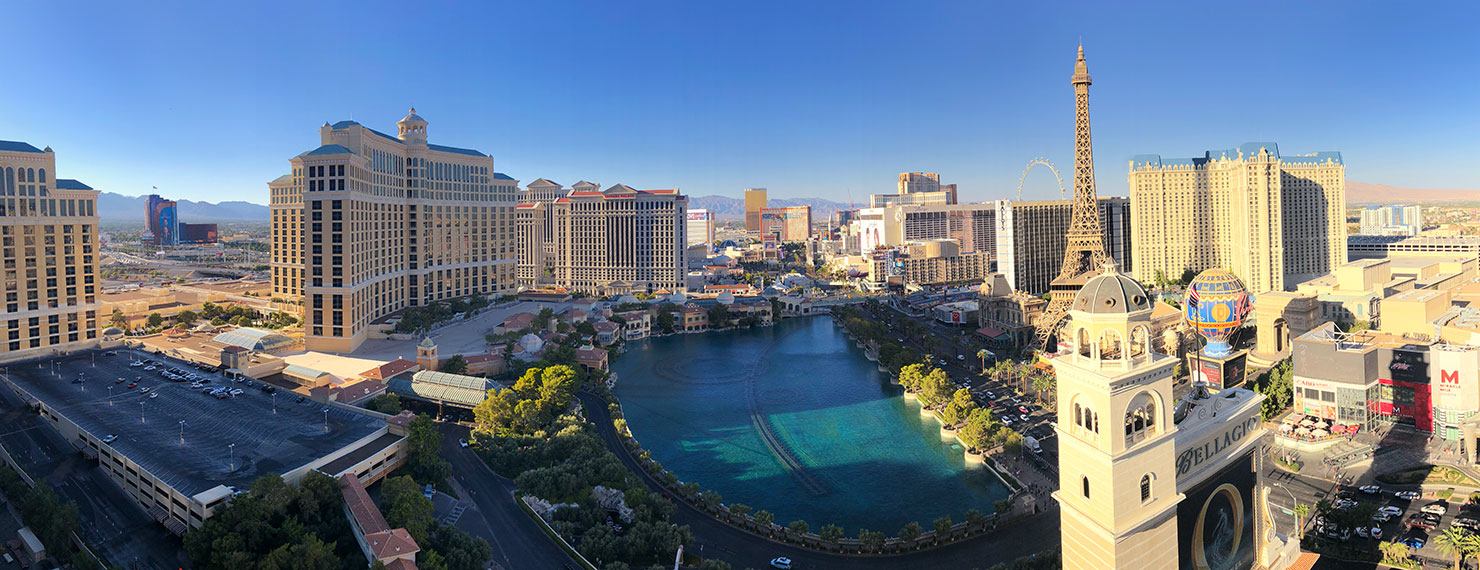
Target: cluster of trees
{"points": [[282, 526], [278, 526], [978, 429], [387, 403], [53, 520], [1160, 279], [443, 547], [1278, 384], [239, 315], [423, 441], [536, 399], [560, 459], [424, 318]]}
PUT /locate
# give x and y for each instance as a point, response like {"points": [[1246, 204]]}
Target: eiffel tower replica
{"points": [[1084, 252]]}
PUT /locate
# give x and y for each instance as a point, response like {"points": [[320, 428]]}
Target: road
{"points": [[715, 539], [517, 541]]}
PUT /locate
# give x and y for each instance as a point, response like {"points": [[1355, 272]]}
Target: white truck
{"points": [[1031, 443]]}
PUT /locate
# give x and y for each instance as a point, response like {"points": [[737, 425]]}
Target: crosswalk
{"points": [[456, 513]]}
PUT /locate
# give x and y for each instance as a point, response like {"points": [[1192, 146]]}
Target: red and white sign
{"points": [[1456, 379]]}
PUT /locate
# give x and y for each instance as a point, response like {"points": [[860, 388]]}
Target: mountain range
{"points": [[1364, 193], [117, 207]]}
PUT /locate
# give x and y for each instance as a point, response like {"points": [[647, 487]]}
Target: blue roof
{"points": [[17, 146], [1242, 151], [453, 149], [502, 176], [329, 149], [348, 124], [70, 184]]}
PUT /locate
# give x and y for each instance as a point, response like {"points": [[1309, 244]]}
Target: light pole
{"points": [[141, 411], [1293, 503], [326, 419], [182, 432], [110, 395], [231, 449]]}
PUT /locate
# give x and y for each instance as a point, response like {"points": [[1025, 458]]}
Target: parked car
{"points": [[144, 390], [1374, 533], [132, 386], [110, 438], [298, 399], [1466, 522], [1414, 542], [1417, 520], [1406, 495], [781, 562], [462, 442], [154, 395], [1371, 489], [1390, 510], [1435, 508]]}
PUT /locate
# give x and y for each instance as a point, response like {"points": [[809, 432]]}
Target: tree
{"points": [[910, 532], [830, 533], [719, 316], [1043, 384], [544, 316], [1454, 541], [154, 320], [209, 310], [388, 403], [454, 365], [740, 509], [798, 527], [1393, 553], [710, 499], [664, 321], [764, 518], [404, 506], [982, 354], [975, 517], [912, 376], [119, 320], [937, 387], [942, 528], [495, 413], [423, 442], [871, 539], [1301, 511], [1013, 444]]}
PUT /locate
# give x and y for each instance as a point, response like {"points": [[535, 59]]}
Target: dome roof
{"points": [[531, 343], [678, 298], [411, 117], [628, 299], [1111, 292], [427, 342], [725, 298], [112, 331]]}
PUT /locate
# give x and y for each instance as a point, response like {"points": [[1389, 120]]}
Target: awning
{"points": [[990, 332]]}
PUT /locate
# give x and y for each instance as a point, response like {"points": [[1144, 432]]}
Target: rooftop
{"points": [[1241, 152], [17, 146], [226, 441], [70, 184]]}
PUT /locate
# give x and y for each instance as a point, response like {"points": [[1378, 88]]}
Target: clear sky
{"points": [[209, 100]]}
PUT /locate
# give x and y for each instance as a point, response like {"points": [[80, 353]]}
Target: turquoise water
{"points": [[794, 420]]}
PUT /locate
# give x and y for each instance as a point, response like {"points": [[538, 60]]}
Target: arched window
{"points": [[1078, 415], [1081, 342], [1111, 345], [30, 175], [1146, 487], [1085, 481], [1140, 418], [1140, 341], [43, 176]]}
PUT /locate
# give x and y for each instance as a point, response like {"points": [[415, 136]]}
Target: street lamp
{"points": [[231, 449], [141, 411], [1293, 503], [110, 395], [326, 419], [182, 432], [274, 403]]}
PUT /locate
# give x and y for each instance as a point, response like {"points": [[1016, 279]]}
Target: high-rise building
{"points": [[700, 228], [613, 241], [48, 248], [917, 189], [368, 224], [792, 223], [162, 220], [971, 225], [755, 201], [1031, 238], [542, 190], [1391, 221], [1271, 220], [918, 182]]}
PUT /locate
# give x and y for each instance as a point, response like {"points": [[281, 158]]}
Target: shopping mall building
{"points": [[1371, 378]]}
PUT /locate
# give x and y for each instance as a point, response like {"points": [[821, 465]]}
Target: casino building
{"points": [[1173, 485]]}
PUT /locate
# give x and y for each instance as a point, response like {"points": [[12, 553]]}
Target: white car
{"points": [[154, 395], [1371, 489], [462, 442], [1374, 533], [1435, 509], [110, 438], [1390, 511], [781, 562], [1345, 504], [1406, 495]]}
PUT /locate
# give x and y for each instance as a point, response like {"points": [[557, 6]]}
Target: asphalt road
{"points": [[517, 542], [715, 539]]}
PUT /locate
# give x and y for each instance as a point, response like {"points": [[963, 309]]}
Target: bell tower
{"points": [[413, 128], [426, 355], [1117, 450]]}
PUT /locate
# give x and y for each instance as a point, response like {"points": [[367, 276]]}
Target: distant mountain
{"points": [[727, 208], [1364, 193], [119, 207]]}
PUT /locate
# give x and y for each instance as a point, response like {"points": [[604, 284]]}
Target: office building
{"points": [[374, 224], [1391, 221], [1031, 238], [939, 262], [614, 241], [1271, 220], [700, 228], [161, 220], [787, 224], [48, 245], [917, 189], [755, 201]]}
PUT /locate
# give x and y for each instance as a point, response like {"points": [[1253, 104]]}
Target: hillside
{"points": [[119, 207], [1364, 193]]}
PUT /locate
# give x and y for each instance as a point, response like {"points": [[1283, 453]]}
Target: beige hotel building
{"points": [[368, 224], [48, 245], [1272, 220], [604, 242]]}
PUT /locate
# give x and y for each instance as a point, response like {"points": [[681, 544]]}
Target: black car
{"points": [[269, 388], [298, 399]]}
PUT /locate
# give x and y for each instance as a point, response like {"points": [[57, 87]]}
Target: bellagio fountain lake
{"points": [[795, 420]]}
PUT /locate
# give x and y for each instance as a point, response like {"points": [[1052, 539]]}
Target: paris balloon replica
{"points": [[1216, 304]]}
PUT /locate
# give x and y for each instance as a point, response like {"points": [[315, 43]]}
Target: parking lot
{"points": [[189, 439], [1416, 521]]}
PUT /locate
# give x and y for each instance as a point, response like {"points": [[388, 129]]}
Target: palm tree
{"points": [[1454, 541], [1302, 510], [1042, 384], [982, 354]]}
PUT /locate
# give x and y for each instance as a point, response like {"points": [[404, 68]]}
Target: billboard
{"points": [[1215, 523], [1219, 373], [198, 233], [1455, 384]]}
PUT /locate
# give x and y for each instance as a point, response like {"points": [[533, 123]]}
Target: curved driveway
{"points": [[715, 539]]}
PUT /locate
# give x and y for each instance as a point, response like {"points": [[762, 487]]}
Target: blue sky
{"points": [[208, 100]]}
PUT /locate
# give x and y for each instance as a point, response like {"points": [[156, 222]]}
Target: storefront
{"points": [[1404, 394]]}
